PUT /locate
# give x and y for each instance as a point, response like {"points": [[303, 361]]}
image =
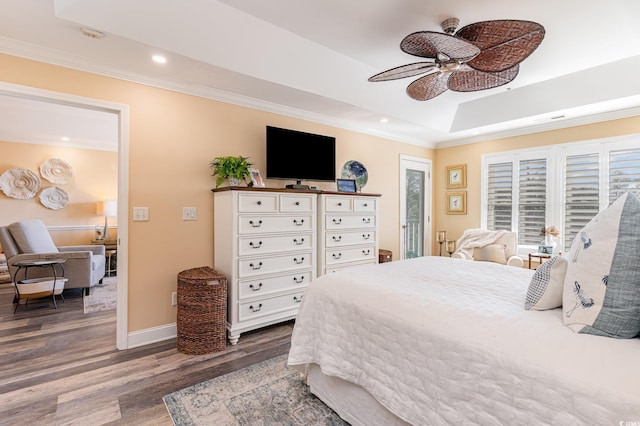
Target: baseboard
{"points": [[152, 335]]}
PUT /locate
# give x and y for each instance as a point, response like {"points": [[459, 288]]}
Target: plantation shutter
{"points": [[582, 193], [499, 196], [532, 201], [624, 172]]}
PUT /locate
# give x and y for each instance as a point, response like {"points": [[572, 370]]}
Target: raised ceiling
{"points": [[312, 59]]}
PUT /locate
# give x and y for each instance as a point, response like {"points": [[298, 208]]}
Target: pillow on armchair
{"points": [[491, 253]]}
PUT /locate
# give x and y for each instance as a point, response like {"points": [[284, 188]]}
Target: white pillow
{"points": [[602, 285], [545, 288], [491, 253]]}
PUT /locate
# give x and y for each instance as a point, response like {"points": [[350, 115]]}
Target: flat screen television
{"points": [[295, 155]]}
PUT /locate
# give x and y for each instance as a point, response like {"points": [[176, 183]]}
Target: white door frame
{"points": [[122, 111], [425, 165]]}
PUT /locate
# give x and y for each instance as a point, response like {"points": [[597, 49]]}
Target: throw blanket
{"points": [[472, 238]]}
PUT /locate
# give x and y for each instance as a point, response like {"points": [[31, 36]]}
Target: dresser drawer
{"points": [[262, 224], [296, 203], [338, 204], [257, 203], [342, 221], [344, 266], [351, 254], [364, 205], [347, 238], [274, 243], [268, 306], [269, 285], [269, 265]]}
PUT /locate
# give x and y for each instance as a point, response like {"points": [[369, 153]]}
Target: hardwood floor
{"points": [[61, 366]]}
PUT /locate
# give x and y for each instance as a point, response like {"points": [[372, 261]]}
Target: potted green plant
{"points": [[236, 169]]}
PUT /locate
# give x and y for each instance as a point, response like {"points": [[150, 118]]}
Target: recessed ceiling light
{"points": [[159, 59], [64, 138], [384, 120]]}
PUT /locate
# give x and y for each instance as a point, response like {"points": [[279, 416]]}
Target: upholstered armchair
{"points": [[30, 240], [489, 246]]}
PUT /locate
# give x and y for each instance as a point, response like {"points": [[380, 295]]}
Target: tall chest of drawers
{"points": [[265, 243], [348, 231]]}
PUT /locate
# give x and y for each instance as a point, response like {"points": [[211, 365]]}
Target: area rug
{"points": [[102, 297], [267, 393]]}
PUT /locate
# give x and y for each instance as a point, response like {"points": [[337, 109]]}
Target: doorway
{"points": [[415, 207], [122, 113]]}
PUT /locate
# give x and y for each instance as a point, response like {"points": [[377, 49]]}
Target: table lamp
{"points": [[107, 208]]}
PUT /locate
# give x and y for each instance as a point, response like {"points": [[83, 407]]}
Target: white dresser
{"points": [[348, 231], [265, 243]]}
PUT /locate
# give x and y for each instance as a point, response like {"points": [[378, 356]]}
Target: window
{"points": [[563, 185]]}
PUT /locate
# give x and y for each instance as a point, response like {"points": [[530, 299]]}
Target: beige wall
{"points": [[471, 155], [172, 138]]}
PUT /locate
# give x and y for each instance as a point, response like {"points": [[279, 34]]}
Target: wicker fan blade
{"points": [[427, 44], [503, 43], [428, 87], [404, 71], [467, 79]]}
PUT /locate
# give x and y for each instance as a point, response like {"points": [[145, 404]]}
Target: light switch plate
{"points": [[189, 213], [141, 214]]}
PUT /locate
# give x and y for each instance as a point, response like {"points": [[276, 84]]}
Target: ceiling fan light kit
{"points": [[479, 56]]}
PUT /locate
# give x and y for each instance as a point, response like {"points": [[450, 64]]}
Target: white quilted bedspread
{"points": [[447, 341]]}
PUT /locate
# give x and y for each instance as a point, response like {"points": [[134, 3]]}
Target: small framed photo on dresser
{"points": [[346, 185], [256, 179]]}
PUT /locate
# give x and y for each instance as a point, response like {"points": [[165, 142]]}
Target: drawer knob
{"points": [[254, 309], [255, 246], [337, 221], [297, 299], [339, 204], [255, 267], [297, 203], [295, 241], [365, 204], [295, 259], [366, 252], [366, 236], [366, 220], [255, 224], [298, 280], [259, 203], [337, 238], [336, 255], [298, 223], [254, 287]]}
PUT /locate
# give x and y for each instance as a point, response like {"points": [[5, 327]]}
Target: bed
{"points": [[436, 341]]}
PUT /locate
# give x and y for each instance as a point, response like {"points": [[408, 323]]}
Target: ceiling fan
{"points": [[479, 56]]}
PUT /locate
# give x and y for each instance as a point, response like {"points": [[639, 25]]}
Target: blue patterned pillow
{"points": [[601, 292], [545, 288]]}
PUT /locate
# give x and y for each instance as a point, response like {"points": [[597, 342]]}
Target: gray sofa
{"points": [[30, 240]]}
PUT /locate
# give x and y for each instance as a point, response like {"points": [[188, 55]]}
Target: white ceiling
{"points": [[312, 59]]}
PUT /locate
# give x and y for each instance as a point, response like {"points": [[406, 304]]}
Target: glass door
{"points": [[415, 207]]}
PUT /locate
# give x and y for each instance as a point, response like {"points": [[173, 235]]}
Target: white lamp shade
{"points": [[107, 208]]}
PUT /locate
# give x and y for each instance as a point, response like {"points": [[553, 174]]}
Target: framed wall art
{"points": [[457, 176], [457, 202]]}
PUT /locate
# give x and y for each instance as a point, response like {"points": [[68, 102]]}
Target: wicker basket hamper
{"points": [[202, 311]]}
